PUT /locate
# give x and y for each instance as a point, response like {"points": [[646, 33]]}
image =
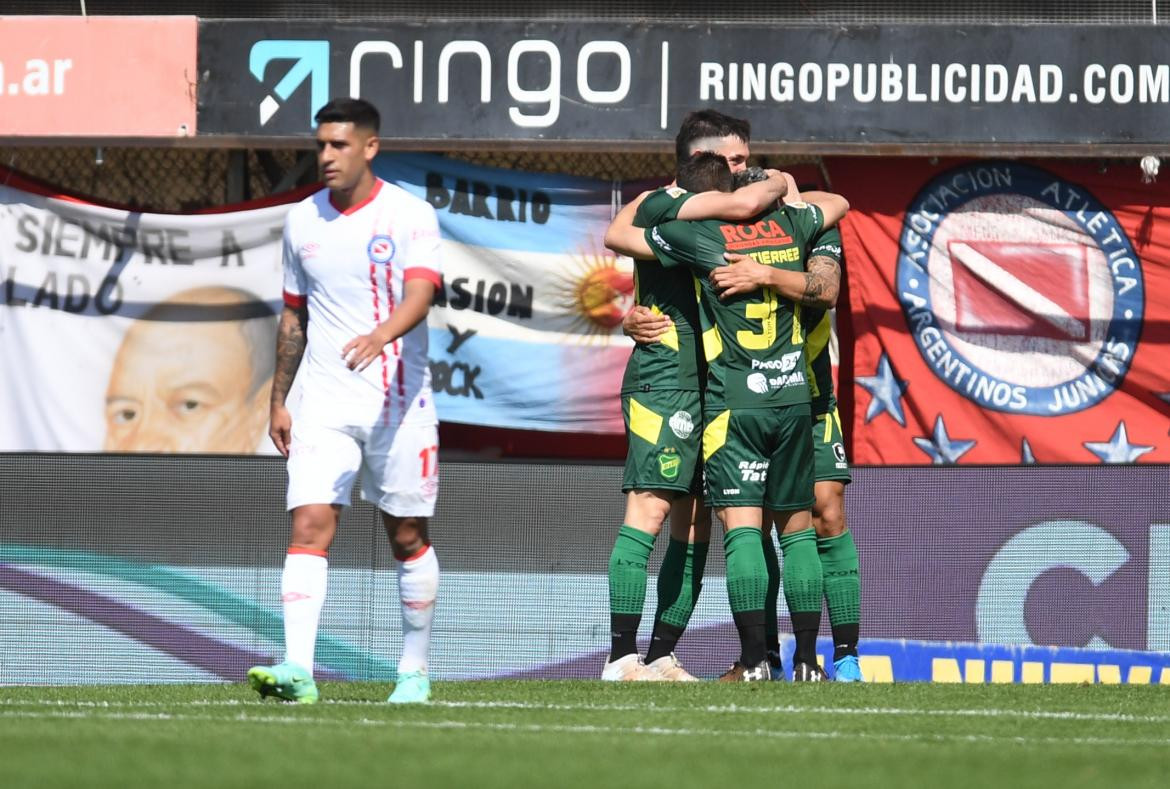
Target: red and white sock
{"points": [[418, 586], [302, 590]]}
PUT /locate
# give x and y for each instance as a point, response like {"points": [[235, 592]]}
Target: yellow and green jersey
{"points": [[819, 330], [674, 362], [754, 342]]}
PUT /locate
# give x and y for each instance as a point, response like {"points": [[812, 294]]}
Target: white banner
{"points": [[134, 332]]}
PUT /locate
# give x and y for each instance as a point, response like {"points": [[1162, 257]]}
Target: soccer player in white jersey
{"points": [[361, 264]]}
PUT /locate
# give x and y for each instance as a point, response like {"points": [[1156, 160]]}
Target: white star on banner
{"points": [[940, 447], [1117, 449], [887, 390]]}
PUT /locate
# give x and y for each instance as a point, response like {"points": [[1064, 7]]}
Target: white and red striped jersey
{"points": [[350, 267]]}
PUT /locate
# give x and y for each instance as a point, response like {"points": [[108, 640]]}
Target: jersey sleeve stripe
{"points": [[294, 300], [421, 272]]}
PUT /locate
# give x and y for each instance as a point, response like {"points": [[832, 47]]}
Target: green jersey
{"points": [[674, 361], [755, 344], [820, 327]]}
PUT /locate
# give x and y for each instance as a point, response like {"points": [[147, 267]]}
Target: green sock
{"points": [[679, 581], [747, 586], [803, 589], [771, 625], [627, 588], [803, 581], [747, 573], [842, 590]]}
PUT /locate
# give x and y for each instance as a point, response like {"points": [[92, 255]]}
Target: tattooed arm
{"points": [[290, 346], [822, 282], [819, 286]]}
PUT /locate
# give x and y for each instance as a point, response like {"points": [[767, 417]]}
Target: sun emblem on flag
{"points": [[598, 292]]}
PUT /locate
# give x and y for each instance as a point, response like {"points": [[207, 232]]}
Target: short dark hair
{"points": [[705, 172], [749, 175], [359, 112], [708, 123]]}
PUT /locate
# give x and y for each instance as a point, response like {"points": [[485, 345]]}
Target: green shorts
{"points": [[759, 458], [663, 430], [829, 448]]}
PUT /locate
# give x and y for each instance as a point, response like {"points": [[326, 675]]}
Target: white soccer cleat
{"points": [[668, 669], [628, 668]]}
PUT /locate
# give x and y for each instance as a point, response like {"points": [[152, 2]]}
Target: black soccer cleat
{"points": [[803, 672], [733, 674], [761, 672], [776, 665]]}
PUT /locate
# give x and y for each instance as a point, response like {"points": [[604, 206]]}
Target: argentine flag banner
{"points": [[526, 329]]}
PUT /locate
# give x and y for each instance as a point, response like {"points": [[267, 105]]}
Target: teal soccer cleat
{"points": [[288, 681], [847, 669], [413, 687]]}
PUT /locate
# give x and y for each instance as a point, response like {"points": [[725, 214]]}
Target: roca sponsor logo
{"points": [[1021, 291]]}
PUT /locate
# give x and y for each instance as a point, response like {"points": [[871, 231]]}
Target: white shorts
{"points": [[398, 464]]}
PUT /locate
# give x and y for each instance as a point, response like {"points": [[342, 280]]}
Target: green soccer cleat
{"points": [[847, 669], [287, 681], [412, 687]]}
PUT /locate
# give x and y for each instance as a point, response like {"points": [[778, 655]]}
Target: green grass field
{"points": [[589, 734]]}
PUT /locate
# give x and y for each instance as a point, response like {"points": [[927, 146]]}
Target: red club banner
{"points": [[1007, 312]]}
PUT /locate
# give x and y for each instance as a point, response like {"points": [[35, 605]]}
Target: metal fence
{"points": [[185, 179]]}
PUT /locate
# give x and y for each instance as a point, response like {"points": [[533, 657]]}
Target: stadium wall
{"points": [[139, 569], [145, 569]]}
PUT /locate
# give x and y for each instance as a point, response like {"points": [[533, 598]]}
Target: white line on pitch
{"points": [[717, 709], [537, 728]]}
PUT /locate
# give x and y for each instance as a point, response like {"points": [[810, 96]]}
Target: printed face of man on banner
{"points": [[193, 374]]}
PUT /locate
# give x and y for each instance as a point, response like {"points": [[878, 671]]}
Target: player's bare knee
{"points": [[313, 527], [829, 514], [646, 511], [790, 521], [690, 521], [407, 535]]}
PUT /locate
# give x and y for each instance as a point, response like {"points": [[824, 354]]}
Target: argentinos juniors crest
{"points": [[1023, 332], [1022, 292]]}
